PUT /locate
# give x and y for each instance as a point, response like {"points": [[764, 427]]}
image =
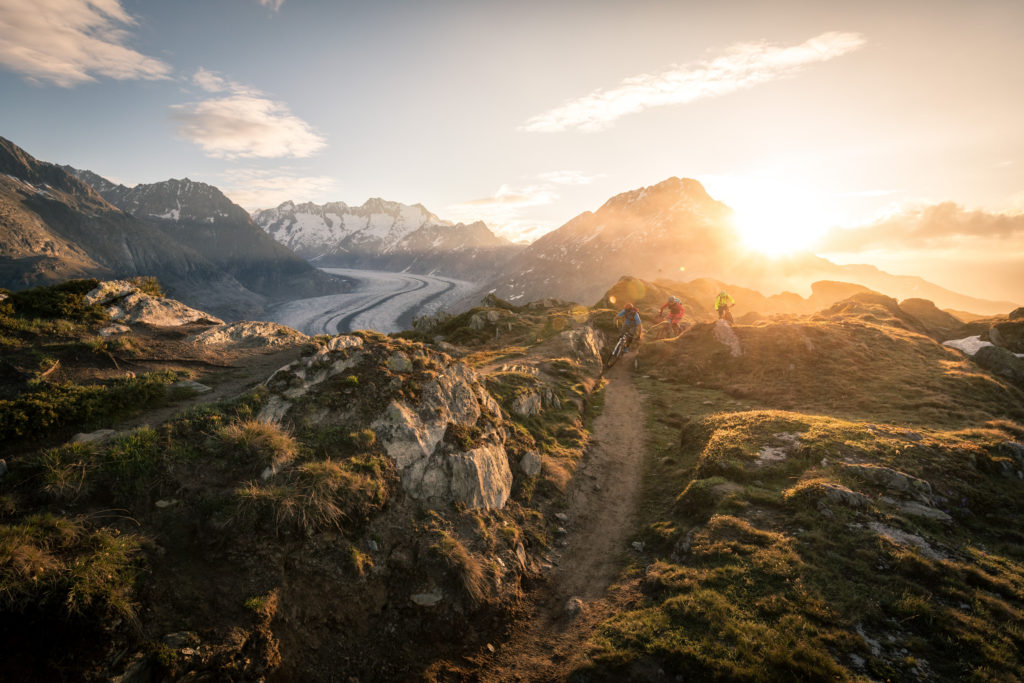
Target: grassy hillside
{"points": [[841, 501]]}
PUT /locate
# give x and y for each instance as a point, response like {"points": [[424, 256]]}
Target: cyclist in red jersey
{"points": [[675, 312]]}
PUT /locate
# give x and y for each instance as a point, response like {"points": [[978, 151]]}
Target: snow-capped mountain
{"points": [[198, 214], [386, 235]]}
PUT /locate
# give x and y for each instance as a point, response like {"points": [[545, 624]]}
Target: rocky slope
{"points": [[385, 235], [675, 229], [193, 213], [373, 490], [56, 226]]}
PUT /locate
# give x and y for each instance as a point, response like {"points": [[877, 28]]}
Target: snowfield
{"points": [[382, 301]]}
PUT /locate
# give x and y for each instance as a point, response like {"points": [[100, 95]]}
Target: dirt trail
{"points": [[547, 646]]}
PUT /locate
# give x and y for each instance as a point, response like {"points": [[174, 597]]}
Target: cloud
{"points": [[68, 42], [936, 226], [503, 211], [255, 188], [272, 4], [568, 177], [741, 66], [243, 123]]}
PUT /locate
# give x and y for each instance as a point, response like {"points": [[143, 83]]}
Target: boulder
{"points": [[143, 308], [840, 495], [891, 479], [530, 464], [438, 423], [125, 303], [999, 361], [427, 598], [99, 436], [1009, 335], [191, 385], [727, 337], [1017, 314], [110, 290], [114, 330], [584, 344], [526, 404], [915, 509], [250, 334]]}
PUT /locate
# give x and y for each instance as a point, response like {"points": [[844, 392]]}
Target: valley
{"points": [[380, 300]]}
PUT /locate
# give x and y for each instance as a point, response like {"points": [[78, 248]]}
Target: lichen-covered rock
{"points": [[430, 415], [250, 334]]}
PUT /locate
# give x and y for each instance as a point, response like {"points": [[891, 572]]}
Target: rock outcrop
{"points": [[250, 334], [432, 416], [126, 303]]}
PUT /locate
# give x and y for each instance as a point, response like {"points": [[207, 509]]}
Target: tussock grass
{"points": [[318, 495], [464, 567], [259, 443], [58, 566]]}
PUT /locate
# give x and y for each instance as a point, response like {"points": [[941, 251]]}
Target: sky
{"points": [[870, 132]]}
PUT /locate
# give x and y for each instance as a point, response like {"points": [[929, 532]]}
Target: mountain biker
{"points": [[722, 303], [675, 312], [630, 322]]}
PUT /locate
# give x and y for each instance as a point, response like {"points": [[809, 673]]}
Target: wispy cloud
{"points": [[741, 66], [272, 4], [243, 123], [68, 42], [503, 212], [506, 211], [568, 177], [255, 188], [935, 226]]}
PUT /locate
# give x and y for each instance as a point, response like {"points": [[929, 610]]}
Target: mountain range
{"points": [[194, 213], [60, 222], [675, 231], [206, 251], [385, 235]]}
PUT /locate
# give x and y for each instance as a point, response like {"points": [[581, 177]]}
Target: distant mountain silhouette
{"points": [[675, 231]]}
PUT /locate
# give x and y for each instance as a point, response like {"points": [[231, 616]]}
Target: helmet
{"points": [[629, 307], [674, 300], [722, 293]]}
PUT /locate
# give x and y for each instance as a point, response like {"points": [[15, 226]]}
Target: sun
{"points": [[777, 219]]}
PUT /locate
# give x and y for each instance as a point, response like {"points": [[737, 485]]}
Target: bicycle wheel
{"points": [[616, 352]]}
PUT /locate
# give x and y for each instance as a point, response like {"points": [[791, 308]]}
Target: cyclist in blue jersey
{"points": [[629, 319]]}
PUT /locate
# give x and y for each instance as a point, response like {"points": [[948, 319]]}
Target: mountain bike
{"points": [[620, 349], [664, 329]]}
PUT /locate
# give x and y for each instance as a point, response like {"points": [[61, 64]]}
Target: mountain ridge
{"points": [[386, 235], [674, 228]]}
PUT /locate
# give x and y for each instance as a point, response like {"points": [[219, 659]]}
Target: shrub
{"points": [[66, 300]]}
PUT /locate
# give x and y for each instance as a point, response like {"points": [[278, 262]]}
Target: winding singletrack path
{"points": [[603, 497]]}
